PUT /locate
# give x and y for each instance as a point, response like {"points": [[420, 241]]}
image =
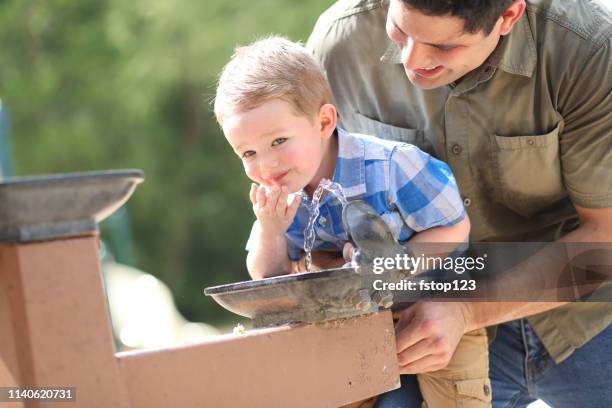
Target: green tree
{"points": [[114, 84]]}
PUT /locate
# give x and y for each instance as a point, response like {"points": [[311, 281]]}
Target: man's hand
{"points": [[427, 335], [272, 208]]}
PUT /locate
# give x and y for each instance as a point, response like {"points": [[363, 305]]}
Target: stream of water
{"points": [[313, 208]]}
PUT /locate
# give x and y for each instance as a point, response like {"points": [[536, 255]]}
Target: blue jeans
{"points": [[522, 371]]}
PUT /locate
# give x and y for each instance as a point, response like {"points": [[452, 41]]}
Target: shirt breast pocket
{"points": [[527, 171], [369, 126]]}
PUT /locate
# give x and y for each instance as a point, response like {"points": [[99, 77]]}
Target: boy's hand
{"points": [[347, 251], [272, 208]]}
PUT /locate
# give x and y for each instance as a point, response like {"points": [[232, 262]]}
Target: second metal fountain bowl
{"points": [[62, 205]]}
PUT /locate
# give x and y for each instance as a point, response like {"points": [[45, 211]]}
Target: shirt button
{"points": [[467, 202], [530, 142], [322, 221], [486, 389], [456, 149]]}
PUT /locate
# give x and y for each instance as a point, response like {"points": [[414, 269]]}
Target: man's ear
{"points": [[327, 119], [511, 16]]}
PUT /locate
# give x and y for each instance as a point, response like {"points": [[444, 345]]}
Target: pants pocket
{"points": [[475, 393], [472, 393], [464, 383]]}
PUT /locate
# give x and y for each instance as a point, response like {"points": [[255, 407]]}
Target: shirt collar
{"points": [[392, 55], [515, 53], [350, 165]]}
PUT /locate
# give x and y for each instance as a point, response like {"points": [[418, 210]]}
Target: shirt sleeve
{"points": [[423, 189], [586, 141], [293, 252]]}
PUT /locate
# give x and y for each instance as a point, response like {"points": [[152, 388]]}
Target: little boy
{"points": [[275, 108]]}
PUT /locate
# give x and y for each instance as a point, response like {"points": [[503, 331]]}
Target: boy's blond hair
{"points": [[271, 68]]}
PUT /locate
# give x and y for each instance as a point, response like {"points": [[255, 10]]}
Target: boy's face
{"points": [[278, 147], [435, 49]]}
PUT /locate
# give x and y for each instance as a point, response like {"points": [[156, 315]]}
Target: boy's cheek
{"points": [[294, 158], [252, 174], [292, 154]]}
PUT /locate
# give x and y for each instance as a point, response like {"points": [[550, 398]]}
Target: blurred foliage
{"points": [[101, 84]]}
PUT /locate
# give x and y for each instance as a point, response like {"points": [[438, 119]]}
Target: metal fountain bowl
{"points": [[50, 206], [319, 296], [306, 297]]}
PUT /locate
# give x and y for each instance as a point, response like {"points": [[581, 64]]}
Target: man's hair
{"points": [[478, 15], [271, 68]]}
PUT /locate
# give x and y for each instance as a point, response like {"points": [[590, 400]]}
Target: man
{"points": [[516, 97]]}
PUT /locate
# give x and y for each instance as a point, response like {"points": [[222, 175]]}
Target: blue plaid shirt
{"points": [[411, 190]]}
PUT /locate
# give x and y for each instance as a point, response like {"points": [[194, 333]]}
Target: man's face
{"points": [[435, 50]]}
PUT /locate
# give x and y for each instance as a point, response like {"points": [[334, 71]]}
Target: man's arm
{"points": [[595, 226], [428, 332]]}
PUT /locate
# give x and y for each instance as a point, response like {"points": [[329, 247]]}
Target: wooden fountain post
{"points": [[55, 330], [53, 313]]}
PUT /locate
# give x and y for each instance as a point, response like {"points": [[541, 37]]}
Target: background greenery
{"points": [[101, 84]]}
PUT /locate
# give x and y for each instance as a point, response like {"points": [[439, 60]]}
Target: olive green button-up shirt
{"points": [[527, 134]]}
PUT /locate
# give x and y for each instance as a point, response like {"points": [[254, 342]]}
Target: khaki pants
{"points": [[464, 383]]}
